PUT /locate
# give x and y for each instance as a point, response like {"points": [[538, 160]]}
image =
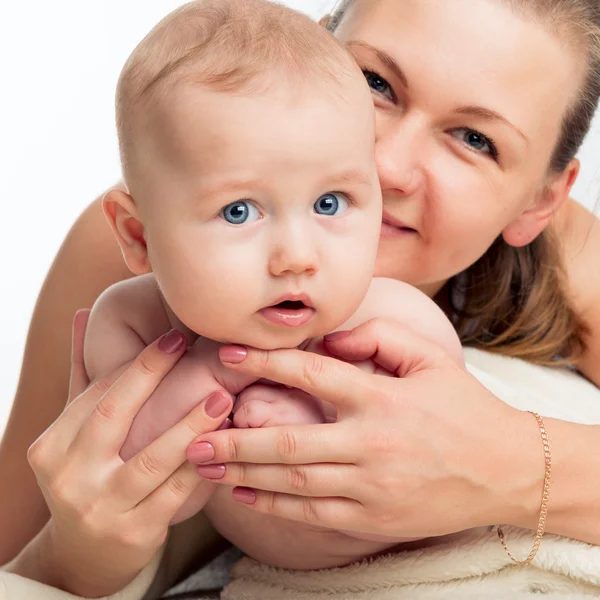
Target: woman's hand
{"points": [[425, 453], [109, 517]]}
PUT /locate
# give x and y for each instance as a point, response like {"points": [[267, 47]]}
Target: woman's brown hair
{"points": [[514, 301]]}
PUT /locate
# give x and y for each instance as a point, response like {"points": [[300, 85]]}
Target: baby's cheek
{"points": [[347, 296]]}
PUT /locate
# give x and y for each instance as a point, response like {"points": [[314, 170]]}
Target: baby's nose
{"points": [[298, 257]]}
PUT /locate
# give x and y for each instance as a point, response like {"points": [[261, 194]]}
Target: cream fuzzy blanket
{"points": [[474, 568], [467, 566]]}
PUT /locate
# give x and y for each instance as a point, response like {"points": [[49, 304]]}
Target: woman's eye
{"points": [[476, 141], [331, 205], [378, 84], [240, 212]]}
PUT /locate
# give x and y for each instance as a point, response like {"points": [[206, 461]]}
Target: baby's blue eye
{"points": [[331, 204], [240, 212]]}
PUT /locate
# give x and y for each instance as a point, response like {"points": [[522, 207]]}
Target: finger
{"points": [[141, 475], [322, 480], [107, 427], [299, 444], [58, 438], [164, 502], [326, 378], [333, 513], [393, 346], [79, 379]]}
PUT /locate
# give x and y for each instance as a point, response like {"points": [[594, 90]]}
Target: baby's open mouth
{"points": [[289, 313], [291, 305]]}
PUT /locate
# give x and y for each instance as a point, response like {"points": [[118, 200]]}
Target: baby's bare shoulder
{"points": [[139, 293], [397, 301], [136, 302]]}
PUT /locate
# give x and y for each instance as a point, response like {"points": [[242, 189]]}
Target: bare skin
{"points": [[90, 248], [580, 231], [88, 262]]}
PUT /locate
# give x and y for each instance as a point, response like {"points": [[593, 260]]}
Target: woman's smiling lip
{"points": [[392, 227]]}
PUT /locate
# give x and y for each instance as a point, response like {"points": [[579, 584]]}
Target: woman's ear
{"points": [[122, 214], [535, 218]]}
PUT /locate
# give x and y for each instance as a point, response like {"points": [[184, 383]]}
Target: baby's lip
{"points": [[289, 312]]}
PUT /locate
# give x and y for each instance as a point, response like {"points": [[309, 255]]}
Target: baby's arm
{"points": [[124, 320]]}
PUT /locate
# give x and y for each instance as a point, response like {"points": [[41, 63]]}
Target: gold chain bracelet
{"points": [[544, 507]]}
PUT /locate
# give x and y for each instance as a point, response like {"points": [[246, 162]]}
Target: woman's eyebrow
{"points": [[490, 115], [385, 58], [478, 111]]}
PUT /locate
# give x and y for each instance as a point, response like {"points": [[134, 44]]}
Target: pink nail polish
{"points": [[337, 336], [217, 404], [233, 354], [244, 495], [201, 452], [171, 342], [211, 471]]}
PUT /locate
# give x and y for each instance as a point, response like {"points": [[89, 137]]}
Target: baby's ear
{"points": [[537, 216], [122, 214], [324, 20]]}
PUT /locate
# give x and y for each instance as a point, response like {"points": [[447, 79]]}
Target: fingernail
{"points": [[81, 313], [171, 342], [233, 354], [336, 336], [216, 405], [226, 424], [211, 471], [244, 495], [201, 452]]}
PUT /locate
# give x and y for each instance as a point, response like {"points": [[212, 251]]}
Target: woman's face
{"points": [[469, 99]]}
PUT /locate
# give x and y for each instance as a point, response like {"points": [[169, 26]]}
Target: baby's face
{"points": [[262, 212]]}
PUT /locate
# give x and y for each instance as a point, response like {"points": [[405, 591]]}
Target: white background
{"points": [[59, 63]]}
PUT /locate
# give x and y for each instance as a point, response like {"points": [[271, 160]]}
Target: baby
{"points": [[252, 216]]}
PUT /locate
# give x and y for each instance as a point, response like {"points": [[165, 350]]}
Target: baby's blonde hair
{"points": [[228, 46]]}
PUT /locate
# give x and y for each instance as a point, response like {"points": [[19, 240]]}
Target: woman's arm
{"points": [[425, 454], [109, 517], [579, 234], [87, 263]]}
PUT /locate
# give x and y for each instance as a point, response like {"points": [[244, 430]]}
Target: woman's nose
{"points": [[398, 153]]}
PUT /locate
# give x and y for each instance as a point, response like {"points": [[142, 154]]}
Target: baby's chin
{"points": [[274, 341], [276, 338]]}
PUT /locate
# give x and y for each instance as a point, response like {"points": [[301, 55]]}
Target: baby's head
{"points": [[247, 142]]}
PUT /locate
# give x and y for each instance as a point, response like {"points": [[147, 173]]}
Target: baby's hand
{"points": [[272, 405]]}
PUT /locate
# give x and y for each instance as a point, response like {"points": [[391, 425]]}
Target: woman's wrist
{"points": [[42, 561], [574, 510], [36, 562], [517, 471], [518, 479]]}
